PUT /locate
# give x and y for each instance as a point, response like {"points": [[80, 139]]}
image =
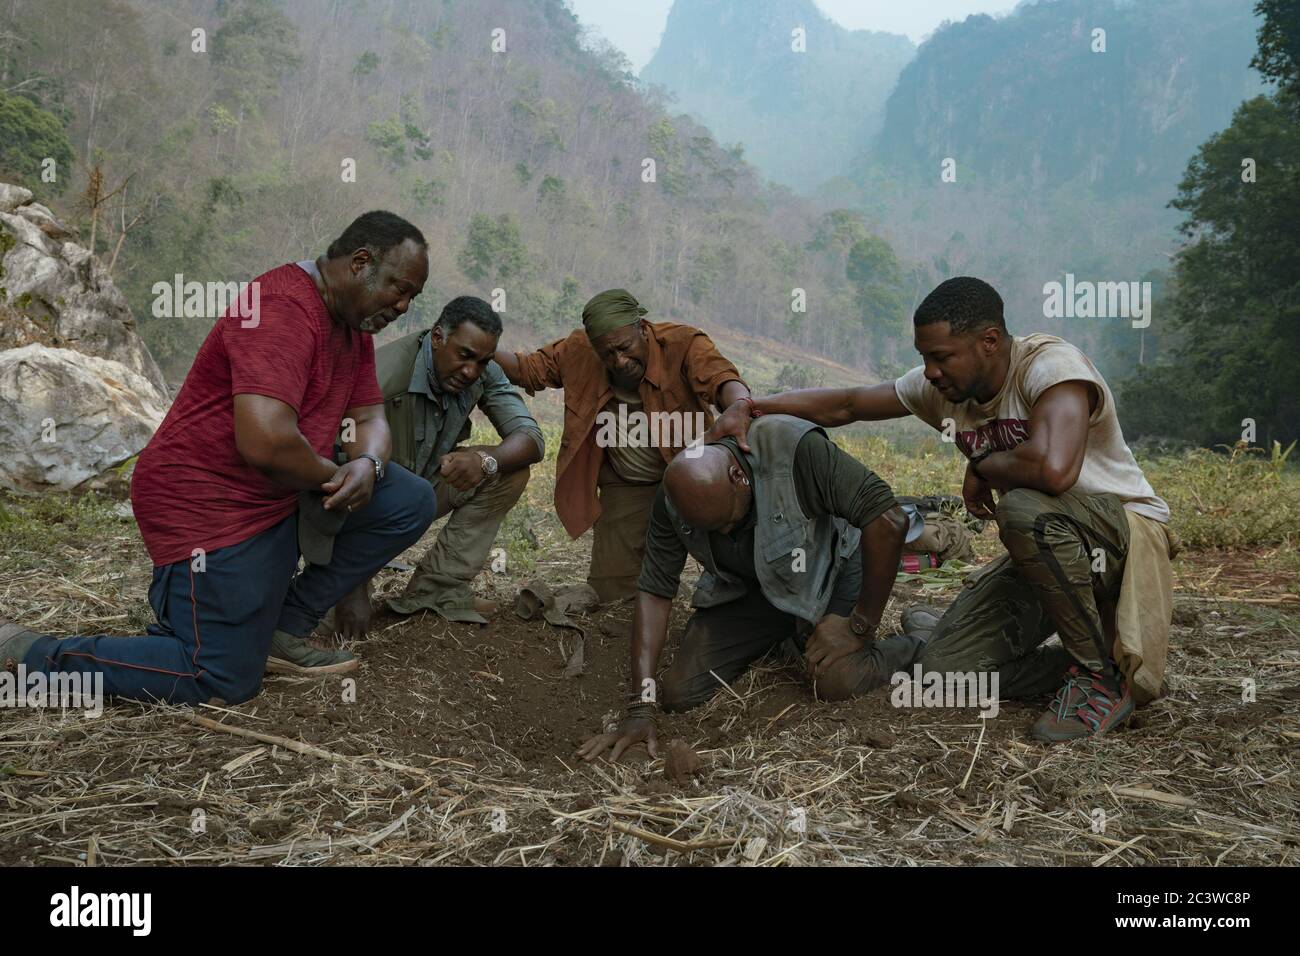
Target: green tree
{"points": [[28, 136], [876, 276], [493, 247], [255, 47], [1235, 310], [366, 64], [387, 137]]}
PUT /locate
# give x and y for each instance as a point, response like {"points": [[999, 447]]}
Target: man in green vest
{"points": [[432, 381], [797, 540]]}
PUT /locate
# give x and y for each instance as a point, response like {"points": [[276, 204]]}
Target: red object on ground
{"points": [[916, 563]]}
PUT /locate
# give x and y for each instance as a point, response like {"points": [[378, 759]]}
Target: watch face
{"points": [[489, 464]]}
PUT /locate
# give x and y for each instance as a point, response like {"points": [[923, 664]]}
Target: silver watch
{"points": [[379, 465], [489, 464]]}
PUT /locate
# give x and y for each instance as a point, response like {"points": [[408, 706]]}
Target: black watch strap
{"points": [[859, 624]]}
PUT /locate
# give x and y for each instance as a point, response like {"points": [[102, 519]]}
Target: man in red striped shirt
{"points": [[241, 478]]}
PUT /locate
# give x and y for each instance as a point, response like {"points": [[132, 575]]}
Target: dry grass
{"points": [[427, 770]]}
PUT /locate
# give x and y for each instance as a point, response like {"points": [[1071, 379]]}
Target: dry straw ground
{"points": [[459, 746]]}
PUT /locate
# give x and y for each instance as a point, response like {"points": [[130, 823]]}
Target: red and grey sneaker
{"points": [[1086, 705]]}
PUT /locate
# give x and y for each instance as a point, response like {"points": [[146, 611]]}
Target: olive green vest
{"points": [[798, 559]]}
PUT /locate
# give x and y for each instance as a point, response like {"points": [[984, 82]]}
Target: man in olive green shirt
{"points": [[798, 542], [432, 381]]}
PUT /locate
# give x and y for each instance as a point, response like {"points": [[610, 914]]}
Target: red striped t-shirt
{"points": [[191, 488]]}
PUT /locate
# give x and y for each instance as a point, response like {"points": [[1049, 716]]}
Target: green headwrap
{"points": [[608, 311]]}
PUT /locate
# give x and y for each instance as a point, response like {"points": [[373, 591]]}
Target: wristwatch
{"points": [[489, 464], [859, 625], [379, 465], [979, 457]]}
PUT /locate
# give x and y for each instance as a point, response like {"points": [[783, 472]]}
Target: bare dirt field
{"points": [[455, 745], [459, 749]]}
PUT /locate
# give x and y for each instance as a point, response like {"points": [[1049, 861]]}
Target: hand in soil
{"points": [[831, 640], [352, 614], [632, 731], [682, 762]]}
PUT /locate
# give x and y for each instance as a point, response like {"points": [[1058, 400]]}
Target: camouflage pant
{"points": [[1063, 567]]}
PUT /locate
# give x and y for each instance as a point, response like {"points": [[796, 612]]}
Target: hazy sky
{"points": [[634, 26]]}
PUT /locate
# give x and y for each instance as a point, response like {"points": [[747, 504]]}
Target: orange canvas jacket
{"points": [[684, 372]]}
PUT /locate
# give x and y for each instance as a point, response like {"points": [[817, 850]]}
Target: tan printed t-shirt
{"points": [[1038, 362], [632, 456]]}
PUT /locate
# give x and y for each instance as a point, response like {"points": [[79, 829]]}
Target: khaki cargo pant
{"points": [[1062, 570], [441, 581], [618, 539]]}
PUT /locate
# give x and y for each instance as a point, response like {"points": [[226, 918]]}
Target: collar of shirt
{"points": [[654, 361], [424, 378]]}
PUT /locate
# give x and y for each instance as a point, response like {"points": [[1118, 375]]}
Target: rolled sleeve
{"points": [[708, 370], [506, 409], [919, 397], [665, 554], [543, 368]]}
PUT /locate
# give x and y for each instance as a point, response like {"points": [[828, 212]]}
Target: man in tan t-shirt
{"points": [[1037, 424]]}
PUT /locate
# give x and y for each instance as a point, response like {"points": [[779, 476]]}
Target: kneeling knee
{"points": [[233, 690], [839, 683], [851, 676], [1018, 511], [423, 508], [673, 697], [515, 482]]}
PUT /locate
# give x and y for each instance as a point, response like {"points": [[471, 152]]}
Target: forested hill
{"points": [[802, 104], [1103, 94], [531, 159]]}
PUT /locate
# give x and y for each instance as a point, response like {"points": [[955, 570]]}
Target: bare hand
{"points": [[733, 423], [351, 487], [631, 731], [352, 613], [978, 495], [462, 469], [831, 640]]}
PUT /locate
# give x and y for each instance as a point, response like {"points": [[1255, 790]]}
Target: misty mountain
{"points": [[1109, 95], [802, 115], [535, 164]]}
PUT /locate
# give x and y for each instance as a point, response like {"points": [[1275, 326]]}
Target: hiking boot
{"points": [[920, 620], [293, 655], [1086, 705], [15, 642]]}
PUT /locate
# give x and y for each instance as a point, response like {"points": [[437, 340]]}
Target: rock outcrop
{"points": [[79, 392]]}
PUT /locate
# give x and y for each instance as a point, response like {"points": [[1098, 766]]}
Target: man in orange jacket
{"points": [[635, 394]]}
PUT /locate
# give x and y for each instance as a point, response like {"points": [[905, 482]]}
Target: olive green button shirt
{"points": [[426, 422], [827, 481]]}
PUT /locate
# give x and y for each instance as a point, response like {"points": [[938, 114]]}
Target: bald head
{"points": [[709, 489]]}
